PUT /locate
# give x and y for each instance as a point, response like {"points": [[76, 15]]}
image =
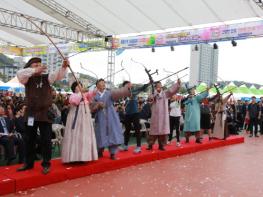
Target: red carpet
{"points": [[12, 181]]}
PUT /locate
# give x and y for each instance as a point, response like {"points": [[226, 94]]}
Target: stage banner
{"points": [[192, 36], [35, 51], [91, 45], [11, 50]]}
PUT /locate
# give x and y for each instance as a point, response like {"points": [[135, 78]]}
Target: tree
{"points": [[4, 60]]}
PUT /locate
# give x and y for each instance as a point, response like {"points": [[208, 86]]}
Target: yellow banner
{"points": [[11, 50], [93, 45]]}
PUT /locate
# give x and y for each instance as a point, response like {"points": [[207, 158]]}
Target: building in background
{"points": [[8, 72], [19, 62], [204, 64], [53, 61]]}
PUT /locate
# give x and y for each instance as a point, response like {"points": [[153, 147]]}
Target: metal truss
{"points": [[68, 17], [15, 20], [259, 3], [111, 68]]}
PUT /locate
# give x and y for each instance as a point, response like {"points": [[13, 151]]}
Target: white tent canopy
{"points": [[13, 85], [117, 17], [134, 16]]}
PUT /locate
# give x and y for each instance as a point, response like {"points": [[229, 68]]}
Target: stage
{"points": [[12, 181]]}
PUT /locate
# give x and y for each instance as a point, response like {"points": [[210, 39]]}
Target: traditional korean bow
{"points": [[60, 53], [149, 74]]}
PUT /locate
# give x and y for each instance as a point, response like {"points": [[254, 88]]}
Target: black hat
{"points": [[31, 61]]}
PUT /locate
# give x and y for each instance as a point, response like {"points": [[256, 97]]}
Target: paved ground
{"points": [[228, 171]]}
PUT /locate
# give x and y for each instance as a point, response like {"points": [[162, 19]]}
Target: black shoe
{"points": [[250, 135], [9, 161], [23, 168], [150, 147], [46, 170], [100, 153], [161, 148], [113, 157], [198, 141]]}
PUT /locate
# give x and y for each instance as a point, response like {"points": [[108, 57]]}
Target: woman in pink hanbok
{"points": [[79, 142]]}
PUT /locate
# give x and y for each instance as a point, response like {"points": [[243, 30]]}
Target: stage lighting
{"points": [[215, 46], [153, 49], [234, 43], [172, 48]]}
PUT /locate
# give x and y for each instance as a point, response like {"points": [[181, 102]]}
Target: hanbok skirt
{"points": [[79, 143]]}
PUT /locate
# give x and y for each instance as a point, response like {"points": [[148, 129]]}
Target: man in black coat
{"points": [[7, 138]]}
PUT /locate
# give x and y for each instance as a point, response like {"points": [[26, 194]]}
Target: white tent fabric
{"points": [[13, 83], [14, 80], [117, 17], [134, 16]]}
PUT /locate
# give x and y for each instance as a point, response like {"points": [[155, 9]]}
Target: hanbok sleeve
{"points": [[171, 91], [136, 91], [200, 97], [75, 99], [90, 95], [24, 74], [120, 93], [57, 75]]}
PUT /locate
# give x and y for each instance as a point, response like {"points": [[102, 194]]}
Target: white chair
{"points": [[143, 127], [57, 129]]}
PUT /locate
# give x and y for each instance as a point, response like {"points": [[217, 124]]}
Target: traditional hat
{"points": [[31, 61]]}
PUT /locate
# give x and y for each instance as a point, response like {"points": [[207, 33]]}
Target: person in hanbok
{"points": [[160, 125], [220, 128], [108, 128], [192, 114], [79, 142]]}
